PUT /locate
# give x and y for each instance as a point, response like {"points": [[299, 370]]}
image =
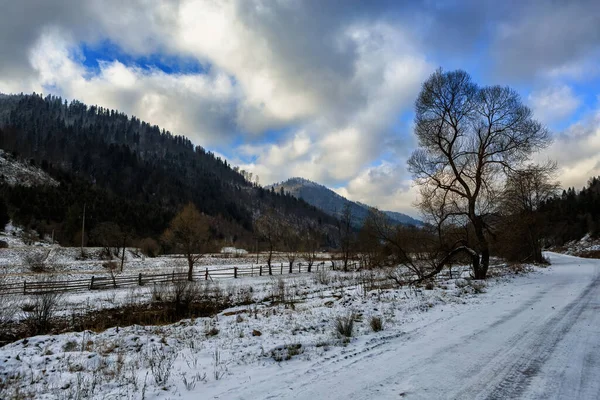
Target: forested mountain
{"points": [[573, 214], [125, 171], [332, 203]]}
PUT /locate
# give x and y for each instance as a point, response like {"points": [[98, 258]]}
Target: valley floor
{"points": [[534, 336]]}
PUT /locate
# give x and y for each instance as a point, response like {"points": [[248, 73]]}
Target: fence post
{"points": [[173, 279], [140, 279], [235, 272], [24, 287], [252, 269], [92, 283], [299, 267], [281, 272], [206, 274], [260, 270]]}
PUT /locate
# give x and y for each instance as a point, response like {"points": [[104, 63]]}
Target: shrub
{"points": [[159, 292], [344, 325], [35, 261], [70, 346], [41, 311], [160, 361], [286, 352], [279, 290], [9, 308], [149, 247], [29, 237], [376, 323], [244, 295], [322, 277], [181, 295]]}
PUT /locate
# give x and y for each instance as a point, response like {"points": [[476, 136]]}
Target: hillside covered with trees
{"points": [[125, 171], [573, 214]]}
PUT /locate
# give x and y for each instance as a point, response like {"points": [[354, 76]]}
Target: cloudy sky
{"points": [[322, 89]]}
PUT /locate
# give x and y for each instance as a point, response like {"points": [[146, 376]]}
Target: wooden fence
{"points": [[123, 281], [141, 279]]}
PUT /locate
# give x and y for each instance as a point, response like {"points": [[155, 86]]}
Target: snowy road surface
{"points": [[536, 337]]}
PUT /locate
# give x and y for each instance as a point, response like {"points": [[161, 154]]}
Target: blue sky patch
{"points": [[93, 53]]}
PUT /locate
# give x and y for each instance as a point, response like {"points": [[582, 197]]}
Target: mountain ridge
{"points": [[333, 203]]}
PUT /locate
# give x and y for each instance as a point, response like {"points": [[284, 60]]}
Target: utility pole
{"points": [[82, 229]]}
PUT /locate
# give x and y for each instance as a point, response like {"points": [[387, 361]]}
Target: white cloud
{"points": [[386, 186], [334, 77], [196, 105], [577, 151], [554, 103]]}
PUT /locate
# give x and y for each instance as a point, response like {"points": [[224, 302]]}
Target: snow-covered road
{"points": [[537, 337]]}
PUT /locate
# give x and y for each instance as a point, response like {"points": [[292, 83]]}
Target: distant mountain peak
{"points": [[332, 203]]}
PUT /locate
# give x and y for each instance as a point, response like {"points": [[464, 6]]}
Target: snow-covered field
{"points": [[65, 263], [525, 336]]}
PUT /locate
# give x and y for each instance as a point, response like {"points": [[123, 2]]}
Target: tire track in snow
{"points": [[498, 372], [513, 379]]}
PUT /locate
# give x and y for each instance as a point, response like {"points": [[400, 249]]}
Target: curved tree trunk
{"points": [[447, 258]]}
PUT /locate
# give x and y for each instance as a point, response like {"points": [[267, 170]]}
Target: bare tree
{"points": [[418, 250], [310, 245], [110, 237], [189, 232], [470, 137], [292, 240], [370, 245], [346, 235], [291, 247], [528, 188], [524, 193], [270, 230]]}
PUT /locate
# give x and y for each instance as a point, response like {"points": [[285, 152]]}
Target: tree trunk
{"points": [[190, 268], [481, 263], [481, 266], [269, 259], [345, 261], [536, 248], [123, 256]]}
